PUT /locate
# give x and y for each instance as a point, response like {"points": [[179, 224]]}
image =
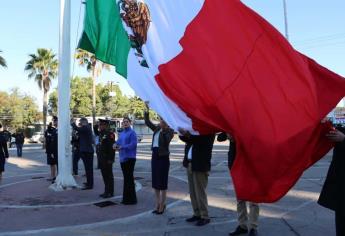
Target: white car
{"points": [[37, 137]]}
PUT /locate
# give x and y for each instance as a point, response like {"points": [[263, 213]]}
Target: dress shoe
{"points": [[202, 222], [193, 219], [108, 195], [253, 232], [128, 202], [238, 231]]}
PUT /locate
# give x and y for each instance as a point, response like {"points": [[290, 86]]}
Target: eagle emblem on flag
{"points": [[136, 16]]}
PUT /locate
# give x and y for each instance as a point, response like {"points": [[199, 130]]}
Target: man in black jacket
{"points": [[197, 160], [333, 192], [19, 142], [85, 149], [106, 157]]}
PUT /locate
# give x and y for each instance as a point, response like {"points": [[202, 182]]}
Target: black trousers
{"points": [[76, 158], [88, 164], [107, 174], [340, 223], [129, 196]]}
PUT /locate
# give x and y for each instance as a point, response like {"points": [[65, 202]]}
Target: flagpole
{"points": [[286, 20], [64, 179]]}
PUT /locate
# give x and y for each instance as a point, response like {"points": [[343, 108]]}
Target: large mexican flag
{"points": [[216, 65]]}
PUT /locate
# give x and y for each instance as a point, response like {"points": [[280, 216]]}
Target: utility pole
{"points": [[286, 21]]}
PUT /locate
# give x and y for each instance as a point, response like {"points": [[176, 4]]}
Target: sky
{"points": [[316, 28]]}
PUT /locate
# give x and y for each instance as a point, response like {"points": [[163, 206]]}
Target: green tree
{"points": [[109, 104], [81, 99], [42, 67], [137, 107], [18, 110], [2, 61], [94, 67], [113, 105]]}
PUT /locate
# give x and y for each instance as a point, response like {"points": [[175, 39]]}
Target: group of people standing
{"points": [[197, 161], [106, 146]]}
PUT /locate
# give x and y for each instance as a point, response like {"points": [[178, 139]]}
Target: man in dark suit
{"points": [[197, 160], [333, 192], [106, 157], [85, 149]]}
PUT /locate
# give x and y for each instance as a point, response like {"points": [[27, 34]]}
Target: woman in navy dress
{"points": [[160, 162]]}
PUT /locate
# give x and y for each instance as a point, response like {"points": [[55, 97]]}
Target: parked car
{"points": [[37, 137], [12, 142]]}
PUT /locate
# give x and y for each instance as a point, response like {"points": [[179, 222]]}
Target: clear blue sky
{"points": [[316, 28]]}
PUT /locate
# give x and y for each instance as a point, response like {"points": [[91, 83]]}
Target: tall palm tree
{"points": [[94, 67], [2, 61], [43, 67]]}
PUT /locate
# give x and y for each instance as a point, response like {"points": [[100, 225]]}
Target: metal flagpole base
{"points": [[62, 183]]}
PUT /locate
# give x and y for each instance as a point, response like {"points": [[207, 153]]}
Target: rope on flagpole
{"points": [[77, 37]]}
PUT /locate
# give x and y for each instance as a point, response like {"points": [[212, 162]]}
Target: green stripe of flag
{"points": [[104, 34]]}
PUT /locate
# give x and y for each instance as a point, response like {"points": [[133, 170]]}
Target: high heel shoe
{"points": [[155, 211], [161, 212]]}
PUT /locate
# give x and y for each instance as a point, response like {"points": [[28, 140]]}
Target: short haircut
{"points": [[127, 118], [83, 120], [0, 126]]}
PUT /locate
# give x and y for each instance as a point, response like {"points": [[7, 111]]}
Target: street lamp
{"points": [[111, 92]]}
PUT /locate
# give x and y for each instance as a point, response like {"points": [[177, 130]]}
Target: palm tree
{"points": [[2, 61], [94, 67], [43, 67]]}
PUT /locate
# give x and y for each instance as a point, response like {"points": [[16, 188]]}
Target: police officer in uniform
{"points": [[51, 139], [75, 151], [106, 157]]}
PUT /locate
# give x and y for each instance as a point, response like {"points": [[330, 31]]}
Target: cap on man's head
{"points": [[83, 119]]}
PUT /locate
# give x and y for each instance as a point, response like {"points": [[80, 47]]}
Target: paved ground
{"points": [[29, 207]]}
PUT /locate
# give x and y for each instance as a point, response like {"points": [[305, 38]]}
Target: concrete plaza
{"points": [[29, 207]]}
